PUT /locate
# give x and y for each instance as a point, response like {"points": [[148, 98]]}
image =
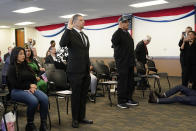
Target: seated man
{"points": [[189, 97], [93, 85]]}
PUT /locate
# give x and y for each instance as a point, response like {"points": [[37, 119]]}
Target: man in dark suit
{"points": [[123, 45], [78, 65]]}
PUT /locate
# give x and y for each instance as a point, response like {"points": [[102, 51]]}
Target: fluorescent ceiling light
{"points": [[70, 15], [149, 3], [3, 26], [28, 10], [25, 23]]}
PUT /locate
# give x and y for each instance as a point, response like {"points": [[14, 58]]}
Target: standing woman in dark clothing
{"points": [[123, 45], [22, 82], [184, 38], [188, 48]]}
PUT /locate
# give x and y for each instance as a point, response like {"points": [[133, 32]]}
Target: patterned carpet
{"points": [[145, 117]]}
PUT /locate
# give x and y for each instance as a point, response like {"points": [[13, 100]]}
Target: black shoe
{"points": [[30, 127], [75, 124], [132, 103], [85, 121], [152, 98], [43, 127], [159, 95], [123, 106]]}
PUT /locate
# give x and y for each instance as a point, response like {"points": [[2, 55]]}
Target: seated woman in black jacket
{"points": [[22, 82]]}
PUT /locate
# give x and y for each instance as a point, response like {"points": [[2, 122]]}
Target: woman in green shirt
{"points": [[41, 84]]}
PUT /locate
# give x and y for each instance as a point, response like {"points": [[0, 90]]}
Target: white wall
{"points": [[5, 35], [165, 36], [100, 41]]}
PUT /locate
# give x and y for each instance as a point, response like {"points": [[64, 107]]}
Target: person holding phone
{"points": [[184, 38], [188, 49], [22, 83]]}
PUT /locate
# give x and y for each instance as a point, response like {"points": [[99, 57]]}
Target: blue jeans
{"points": [[32, 101], [189, 97]]}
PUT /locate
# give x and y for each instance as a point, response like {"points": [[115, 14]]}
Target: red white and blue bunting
{"points": [[167, 15]]}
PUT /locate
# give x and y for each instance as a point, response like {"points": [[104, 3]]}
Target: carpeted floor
{"points": [[145, 117]]}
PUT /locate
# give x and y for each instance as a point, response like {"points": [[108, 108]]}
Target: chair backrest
{"points": [[112, 66], [59, 77], [50, 67], [151, 65], [140, 68]]}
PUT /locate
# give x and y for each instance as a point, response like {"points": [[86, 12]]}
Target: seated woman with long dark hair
{"points": [[22, 82], [41, 84]]}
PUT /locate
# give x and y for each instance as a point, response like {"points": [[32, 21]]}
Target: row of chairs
{"points": [[109, 73]]}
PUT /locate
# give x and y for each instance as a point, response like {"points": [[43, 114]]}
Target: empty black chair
{"points": [[152, 70], [57, 81]]}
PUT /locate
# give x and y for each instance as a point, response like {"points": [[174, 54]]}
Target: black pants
{"points": [[125, 87], [189, 75], [189, 97], [80, 85]]}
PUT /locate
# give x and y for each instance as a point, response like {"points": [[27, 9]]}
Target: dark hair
{"points": [[193, 32], [13, 61], [14, 55], [32, 55], [189, 28], [52, 41], [75, 17]]}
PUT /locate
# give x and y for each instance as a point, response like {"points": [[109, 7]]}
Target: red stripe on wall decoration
{"points": [[166, 12], [50, 27]]}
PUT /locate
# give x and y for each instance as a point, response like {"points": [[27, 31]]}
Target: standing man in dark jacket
{"points": [[184, 38], [78, 65], [123, 45]]}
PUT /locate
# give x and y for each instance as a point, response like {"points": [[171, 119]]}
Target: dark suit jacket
{"points": [[49, 60], [78, 53], [141, 52]]}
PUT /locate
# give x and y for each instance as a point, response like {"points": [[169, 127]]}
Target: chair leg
{"points": [[155, 82], [169, 82], [57, 104], [5, 121], [49, 120], [143, 93], [67, 104], [48, 103], [16, 113], [159, 86], [109, 95], [103, 88]]}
